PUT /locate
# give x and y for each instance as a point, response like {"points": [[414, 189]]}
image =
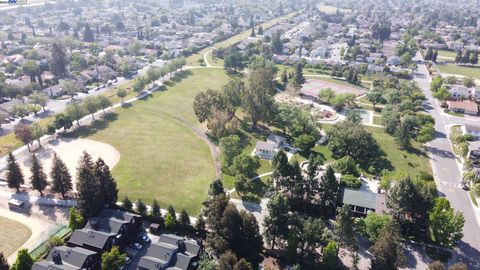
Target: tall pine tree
{"points": [[108, 186], [38, 178], [89, 192], [88, 34], [328, 191], [3, 262], [61, 178], [14, 173]]}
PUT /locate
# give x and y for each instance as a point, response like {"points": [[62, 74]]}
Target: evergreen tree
{"points": [[330, 255], [155, 211], [386, 252], [474, 59], [435, 56], [108, 185], [24, 261], [171, 211], [253, 32], [260, 30], [200, 226], [277, 43], [459, 57], [298, 78], [89, 199], [251, 240], [328, 192], [280, 165], [343, 228], [276, 223], [127, 204], [184, 219], [14, 173], [59, 61], [3, 262], [38, 178], [88, 35], [61, 178], [141, 207], [429, 54]]}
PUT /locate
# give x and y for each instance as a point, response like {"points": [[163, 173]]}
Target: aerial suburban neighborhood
{"points": [[239, 135]]}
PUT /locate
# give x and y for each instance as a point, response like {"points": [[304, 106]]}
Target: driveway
{"points": [[447, 175]]}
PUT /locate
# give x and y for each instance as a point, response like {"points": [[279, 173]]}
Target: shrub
{"points": [[350, 181], [423, 175], [346, 165], [469, 137]]}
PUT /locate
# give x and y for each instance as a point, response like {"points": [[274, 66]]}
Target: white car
{"points": [[136, 246]]}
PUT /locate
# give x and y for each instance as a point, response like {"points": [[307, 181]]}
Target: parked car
{"points": [[136, 246], [144, 238], [464, 185], [128, 260]]}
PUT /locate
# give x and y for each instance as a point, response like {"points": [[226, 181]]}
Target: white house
{"points": [[471, 130], [459, 91], [277, 140], [265, 150]]}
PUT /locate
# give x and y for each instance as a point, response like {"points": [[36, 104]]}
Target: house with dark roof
{"points": [[63, 257], [120, 228], [93, 240], [135, 221], [361, 201], [171, 252]]}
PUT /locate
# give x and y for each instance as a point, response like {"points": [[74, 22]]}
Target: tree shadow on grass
{"points": [[380, 163], [178, 78], [93, 128]]}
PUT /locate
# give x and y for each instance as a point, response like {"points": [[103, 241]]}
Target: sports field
{"points": [[467, 71], [160, 156], [12, 235]]}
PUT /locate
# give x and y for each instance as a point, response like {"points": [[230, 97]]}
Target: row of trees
{"points": [[431, 55], [169, 221], [61, 181], [338, 101], [153, 74], [466, 57]]}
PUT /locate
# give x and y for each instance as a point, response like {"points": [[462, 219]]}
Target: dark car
{"points": [[464, 185]]}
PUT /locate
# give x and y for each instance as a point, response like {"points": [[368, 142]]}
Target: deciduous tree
{"points": [[447, 225], [113, 259]]}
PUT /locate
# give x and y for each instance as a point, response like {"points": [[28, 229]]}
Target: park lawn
{"points": [[12, 235], [192, 60], [363, 85], [473, 72], [330, 9], [446, 54], [377, 120], [216, 63], [161, 158], [403, 163]]}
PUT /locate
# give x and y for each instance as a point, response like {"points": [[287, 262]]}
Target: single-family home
{"points": [[360, 200], [69, 258], [393, 60], [265, 150], [463, 106], [171, 252], [473, 130], [278, 140], [476, 93], [459, 91]]}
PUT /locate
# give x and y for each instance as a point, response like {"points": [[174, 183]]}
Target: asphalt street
{"points": [[447, 172]]}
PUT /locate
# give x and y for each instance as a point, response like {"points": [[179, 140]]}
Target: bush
{"points": [[469, 137], [350, 181], [423, 175]]}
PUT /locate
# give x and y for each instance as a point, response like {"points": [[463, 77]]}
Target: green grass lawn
{"points": [[400, 163], [377, 120], [473, 72], [161, 158], [12, 235], [217, 62], [446, 54]]}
